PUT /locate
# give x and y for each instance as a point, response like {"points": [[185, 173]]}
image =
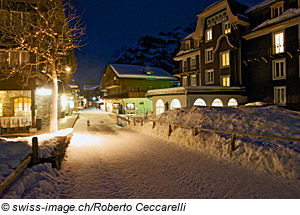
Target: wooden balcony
{"points": [[111, 84], [136, 94], [192, 69], [269, 51]]}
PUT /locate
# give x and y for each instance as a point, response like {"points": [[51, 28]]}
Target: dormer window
{"points": [[208, 35], [277, 9]]}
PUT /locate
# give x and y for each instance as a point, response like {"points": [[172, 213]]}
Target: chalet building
{"points": [[125, 86], [236, 55], [92, 95], [24, 103], [271, 55]]}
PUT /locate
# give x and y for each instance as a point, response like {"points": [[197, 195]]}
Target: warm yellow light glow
{"points": [[68, 69], [64, 102], [44, 92], [84, 140]]}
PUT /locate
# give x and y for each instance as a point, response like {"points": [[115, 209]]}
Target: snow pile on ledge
{"points": [[273, 156]]}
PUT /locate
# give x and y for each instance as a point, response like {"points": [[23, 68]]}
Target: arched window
{"points": [[160, 107], [175, 104], [200, 102], [22, 106], [232, 102], [217, 103]]}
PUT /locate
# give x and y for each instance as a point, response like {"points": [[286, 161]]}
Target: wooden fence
{"points": [[233, 134]]}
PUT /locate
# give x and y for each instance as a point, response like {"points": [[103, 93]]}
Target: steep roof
{"points": [[141, 72], [90, 87], [260, 5]]}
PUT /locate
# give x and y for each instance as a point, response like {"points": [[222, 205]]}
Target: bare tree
{"points": [[39, 38]]}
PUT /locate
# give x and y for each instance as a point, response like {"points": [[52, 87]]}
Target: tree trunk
{"points": [[54, 97]]}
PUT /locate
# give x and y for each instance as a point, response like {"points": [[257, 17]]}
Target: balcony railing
{"points": [[111, 84], [267, 51], [136, 94], [192, 68]]}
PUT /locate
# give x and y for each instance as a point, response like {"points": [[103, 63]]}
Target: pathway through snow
{"points": [[107, 161]]}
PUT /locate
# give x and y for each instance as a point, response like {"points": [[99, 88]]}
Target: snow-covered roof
{"points": [[189, 36], [260, 5], [90, 87], [290, 13], [141, 72], [197, 89], [211, 5]]}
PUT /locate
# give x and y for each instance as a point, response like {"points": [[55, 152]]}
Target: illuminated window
{"points": [[217, 103], [130, 106], [226, 28], [22, 106], [279, 42], [175, 104], [232, 102], [209, 76], [209, 56], [225, 81], [279, 71], [208, 35], [160, 107], [200, 102], [280, 95], [193, 80], [225, 59]]}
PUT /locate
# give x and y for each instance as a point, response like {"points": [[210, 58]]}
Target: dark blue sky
{"points": [[114, 23]]}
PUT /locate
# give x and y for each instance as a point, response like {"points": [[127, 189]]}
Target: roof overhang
{"points": [[196, 90], [272, 28]]}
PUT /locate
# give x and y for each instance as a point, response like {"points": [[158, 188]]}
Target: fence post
{"points": [[153, 126], [232, 144], [134, 121], [170, 130], [141, 122], [35, 150], [195, 131]]}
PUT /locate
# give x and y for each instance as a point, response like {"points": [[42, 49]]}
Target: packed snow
{"points": [[272, 156]]}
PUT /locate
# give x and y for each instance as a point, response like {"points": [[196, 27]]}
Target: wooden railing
{"points": [[196, 130]]}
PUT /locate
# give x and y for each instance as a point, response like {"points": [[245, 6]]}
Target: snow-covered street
{"points": [[108, 161]]}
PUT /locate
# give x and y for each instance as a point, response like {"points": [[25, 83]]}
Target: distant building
{"points": [[92, 95], [124, 87]]}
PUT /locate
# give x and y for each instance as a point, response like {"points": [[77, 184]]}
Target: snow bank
{"points": [[272, 156], [13, 152], [37, 182]]}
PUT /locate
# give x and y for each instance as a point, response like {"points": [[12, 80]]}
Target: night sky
{"points": [[115, 23]]}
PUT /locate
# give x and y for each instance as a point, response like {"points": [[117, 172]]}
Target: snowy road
{"points": [[107, 161]]}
